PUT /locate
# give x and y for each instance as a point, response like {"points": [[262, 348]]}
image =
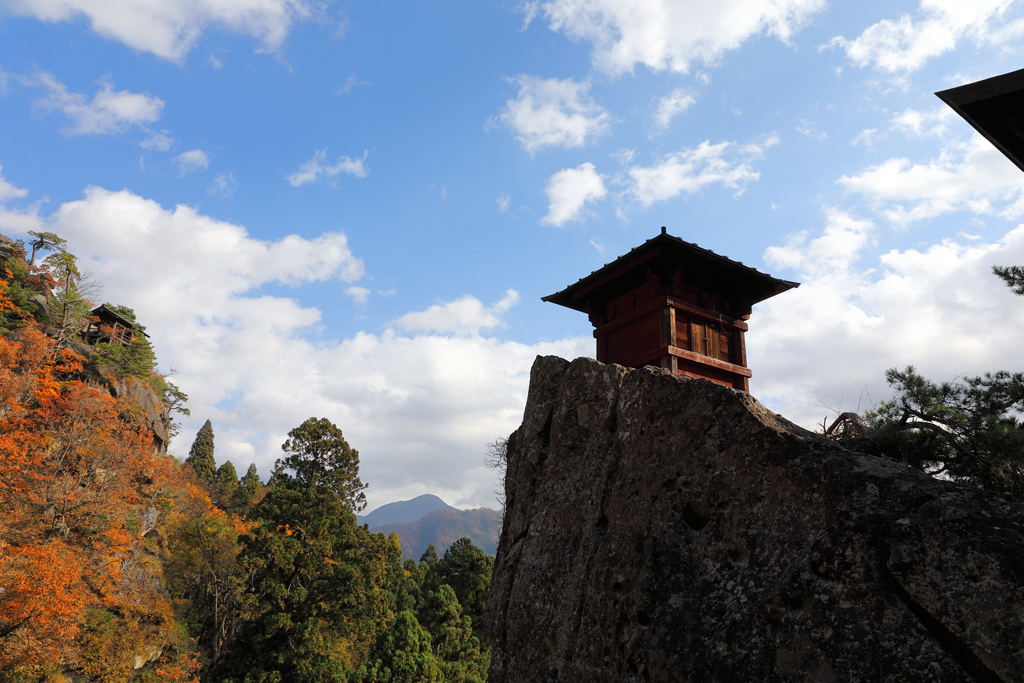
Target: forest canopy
{"points": [[119, 563]]}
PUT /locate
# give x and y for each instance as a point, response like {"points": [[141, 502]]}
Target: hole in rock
{"points": [[740, 555], [602, 522], [697, 514]]}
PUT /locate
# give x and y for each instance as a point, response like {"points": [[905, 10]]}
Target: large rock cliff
{"points": [[660, 528]]}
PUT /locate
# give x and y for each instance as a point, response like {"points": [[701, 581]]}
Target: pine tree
{"points": [[1013, 276], [320, 584], [226, 483], [200, 456], [429, 555], [467, 569], [967, 430], [318, 455], [248, 486], [403, 655], [455, 646]]}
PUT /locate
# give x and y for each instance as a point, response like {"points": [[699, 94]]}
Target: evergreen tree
{"points": [[321, 586], [968, 430], [1013, 276], [455, 646], [200, 456], [225, 481], [467, 569], [429, 555], [410, 596], [403, 655], [318, 455], [248, 486]]}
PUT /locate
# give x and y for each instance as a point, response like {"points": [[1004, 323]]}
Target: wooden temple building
{"points": [[106, 326], [995, 107], [671, 304]]}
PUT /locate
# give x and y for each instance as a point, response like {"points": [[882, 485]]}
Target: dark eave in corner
{"points": [[757, 285], [995, 107]]}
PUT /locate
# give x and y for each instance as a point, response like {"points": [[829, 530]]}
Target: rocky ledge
{"points": [[659, 528]]}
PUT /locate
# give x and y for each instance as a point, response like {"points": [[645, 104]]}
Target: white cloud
{"points": [[351, 83], [671, 34], [109, 111], [192, 160], [463, 317], [170, 28], [972, 175], [420, 406], [855, 315], [318, 167], [504, 202], [917, 123], [866, 137], [358, 294], [8, 191], [905, 44], [223, 185], [570, 190], [691, 170], [810, 129], [670, 106], [552, 113], [160, 142]]}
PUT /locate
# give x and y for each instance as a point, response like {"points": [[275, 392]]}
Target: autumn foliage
{"points": [[78, 475], [118, 563]]}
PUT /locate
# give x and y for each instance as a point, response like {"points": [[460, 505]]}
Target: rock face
{"points": [[660, 528], [151, 408]]}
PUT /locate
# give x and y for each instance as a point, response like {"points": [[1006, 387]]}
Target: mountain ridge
{"points": [[404, 511], [443, 527]]}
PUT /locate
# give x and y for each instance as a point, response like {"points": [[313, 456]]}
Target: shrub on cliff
{"points": [[968, 429]]}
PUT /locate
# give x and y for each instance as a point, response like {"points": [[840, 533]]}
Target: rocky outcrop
{"points": [[136, 390], [660, 528], [8, 249]]}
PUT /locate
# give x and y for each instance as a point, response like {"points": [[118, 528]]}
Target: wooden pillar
{"points": [[668, 338], [741, 351]]}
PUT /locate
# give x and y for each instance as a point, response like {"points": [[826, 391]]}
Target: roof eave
{"points": [[567, 296]]}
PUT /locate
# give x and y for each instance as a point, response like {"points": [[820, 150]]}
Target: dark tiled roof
{"points": [[103, 311], [711, 269], [995, 107]]}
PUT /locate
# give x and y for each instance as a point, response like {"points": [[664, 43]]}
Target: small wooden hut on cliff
{"points": [[107, 326], [671, 304]]}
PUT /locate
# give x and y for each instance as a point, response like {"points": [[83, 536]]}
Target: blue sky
{"points": [[351, 210]]}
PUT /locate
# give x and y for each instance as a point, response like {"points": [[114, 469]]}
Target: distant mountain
{"points": [[444, 527], [404, 511]]}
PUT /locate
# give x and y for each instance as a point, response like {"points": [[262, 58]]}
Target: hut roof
{"points": [[662, 254], [104, 312]]}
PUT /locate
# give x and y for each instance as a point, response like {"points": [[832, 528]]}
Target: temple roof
{"points": [[662, 254], [995, 107], [104, 312]]}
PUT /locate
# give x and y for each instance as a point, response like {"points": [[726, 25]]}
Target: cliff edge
{"points": [[659, 528]]}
